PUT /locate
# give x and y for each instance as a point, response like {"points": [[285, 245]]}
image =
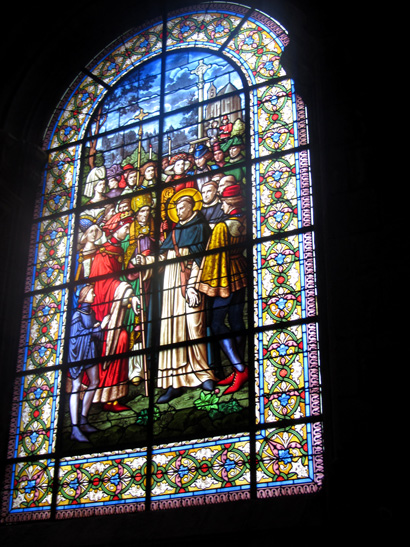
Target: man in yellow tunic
{"points": [[223, 279]]}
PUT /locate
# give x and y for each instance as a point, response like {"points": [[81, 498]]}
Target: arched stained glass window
{"points": [[169, 350]]}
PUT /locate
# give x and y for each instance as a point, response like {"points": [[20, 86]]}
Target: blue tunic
{"points": [[85, 339]]}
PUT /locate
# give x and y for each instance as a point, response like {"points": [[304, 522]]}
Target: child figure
{"points": [[86, 338]]}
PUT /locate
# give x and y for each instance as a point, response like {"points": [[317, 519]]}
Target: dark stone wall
{"points": [[336, 57]]}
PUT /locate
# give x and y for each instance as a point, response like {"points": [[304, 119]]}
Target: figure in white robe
{"points": [[182, 314]]}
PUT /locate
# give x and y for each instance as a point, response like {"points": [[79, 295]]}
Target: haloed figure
{"points": [[85, 344], [183, 313]]}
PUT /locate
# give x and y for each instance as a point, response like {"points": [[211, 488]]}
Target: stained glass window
{"points": [[169, 349]]}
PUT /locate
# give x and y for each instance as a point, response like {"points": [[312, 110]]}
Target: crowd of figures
{"points": [[198, 243]]}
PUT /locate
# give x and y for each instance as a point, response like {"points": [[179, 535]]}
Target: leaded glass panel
{"points": [[169, 352]]}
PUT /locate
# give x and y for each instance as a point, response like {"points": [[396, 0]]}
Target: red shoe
{"points": [[115, 407], [239, 379], [228, 380]]}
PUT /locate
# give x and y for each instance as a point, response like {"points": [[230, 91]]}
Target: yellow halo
{"points": [[191, 192]]}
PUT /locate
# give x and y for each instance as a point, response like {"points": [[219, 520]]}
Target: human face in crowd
{"points": [[93, 234], [149, 173], [124, 206], [122, 232], [218, 156], [132, 179], [208, 193], [112, 183], [143, 215], [179, 167], [226, 208], [100, 187], [234, 151], [200, 162]]}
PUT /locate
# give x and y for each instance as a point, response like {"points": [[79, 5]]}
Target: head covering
{"points": [[233, 141], [141, 200], [116, 222], [126, 171], [225, 181], [200, 150], [234, 198], [114, 172], [182, 156], [129, 167], [231, 191], [89, 218], [138, 203], [94, 176]]}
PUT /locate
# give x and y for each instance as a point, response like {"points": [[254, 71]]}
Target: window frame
{"points": [[314, 420]]}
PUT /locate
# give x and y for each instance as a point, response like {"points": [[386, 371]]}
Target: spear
{"points": [[139, 155], [142, 323]]}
